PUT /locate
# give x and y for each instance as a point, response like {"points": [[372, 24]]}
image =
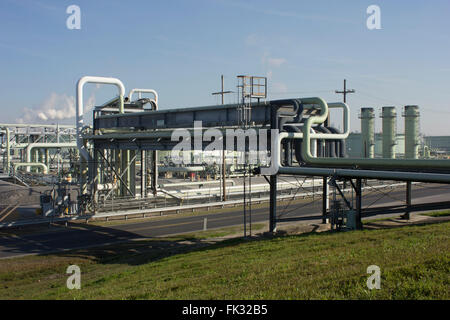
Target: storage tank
{"points": [[389, 128], [411, 115], [367, 117]]}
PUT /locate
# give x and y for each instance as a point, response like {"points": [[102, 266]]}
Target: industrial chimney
{"points": [[389, 127], [367, 132], [411, 115]]}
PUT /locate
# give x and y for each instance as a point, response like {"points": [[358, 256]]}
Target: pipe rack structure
{"points": [[33, 143], [301, 143]]}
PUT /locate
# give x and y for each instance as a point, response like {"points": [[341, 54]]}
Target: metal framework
{"points": [[37, 145], [124, 131]]}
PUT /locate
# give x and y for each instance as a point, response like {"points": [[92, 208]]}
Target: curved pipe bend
{"points": [[363, 163], [144, 91], [80, 107], [31, 164]]}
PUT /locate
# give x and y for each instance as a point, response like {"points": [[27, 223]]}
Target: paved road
{"points": [[59, 238]]}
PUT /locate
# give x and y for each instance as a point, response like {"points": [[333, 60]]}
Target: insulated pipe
{"points": [[298, 144], [366, 163], [144, 91], [389, 116], [181, 169], [80, 107], [411, 116], [328, 146], [339, 144], [21, 125], [276, 145], [155, 152], [31, 164], [367, 174], [327, 136], [49, 145]]}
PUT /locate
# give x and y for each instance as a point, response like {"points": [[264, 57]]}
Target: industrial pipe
{"points": [[367, 174], [80, 106], [48, 145], [31, 164], [364, 163], [155, 152], [145, 91], [21, 125]]}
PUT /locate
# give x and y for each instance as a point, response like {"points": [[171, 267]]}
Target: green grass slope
{"points": [[414, 263]]}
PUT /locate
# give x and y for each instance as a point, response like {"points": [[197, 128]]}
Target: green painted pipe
{"points": [[31, 164], [412, 142], [362, 163]]}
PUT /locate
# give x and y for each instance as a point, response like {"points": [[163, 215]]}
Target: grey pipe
{"points": [[367, 174], [363, 163]]}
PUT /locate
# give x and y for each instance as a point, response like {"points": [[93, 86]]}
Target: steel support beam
{"points": [[143, 173], [325, 199], [408, 200], [358, 192]]}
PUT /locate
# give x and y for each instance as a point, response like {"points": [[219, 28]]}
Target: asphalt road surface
{"points": [[59, 238]]}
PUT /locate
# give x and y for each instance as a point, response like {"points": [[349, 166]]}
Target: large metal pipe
{"points": [[155, 94], [363, 163], [276, 141], [31, 164], [411, 115], [80, 106], [21, 125], [389, 116], [367, 174], [155, 152], [367, 132], [47, 145]]}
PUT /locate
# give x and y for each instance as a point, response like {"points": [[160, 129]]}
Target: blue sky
{"points": [[180, 48]]}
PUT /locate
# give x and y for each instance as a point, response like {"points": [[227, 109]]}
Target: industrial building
{"points": [[113, 165]]}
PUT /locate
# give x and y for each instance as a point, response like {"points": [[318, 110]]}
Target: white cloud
{"points": [[55, 107]]}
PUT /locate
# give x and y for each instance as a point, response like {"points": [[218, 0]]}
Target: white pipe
{"points": [[22, 125], [144, 91], [276, 145], [49, 145], [360, 162], [80, 106], [31, 164], [155, 152]]}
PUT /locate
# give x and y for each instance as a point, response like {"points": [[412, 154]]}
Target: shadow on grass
{"points": [[123, 247]]}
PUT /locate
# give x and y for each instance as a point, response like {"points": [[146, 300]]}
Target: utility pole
{"points": [[224, 195], [345, 91]]}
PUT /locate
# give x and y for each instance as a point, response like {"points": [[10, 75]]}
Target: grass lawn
{"points": [[442, 213], [414, 263]]}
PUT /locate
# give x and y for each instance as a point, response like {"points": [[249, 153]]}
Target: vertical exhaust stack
{"points": [[389, 116], [367, 132], [411, 115]]}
